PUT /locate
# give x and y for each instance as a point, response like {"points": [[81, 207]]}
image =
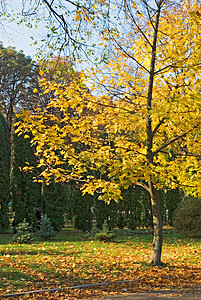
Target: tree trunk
{"points": [[155, 203], [157, 224]]}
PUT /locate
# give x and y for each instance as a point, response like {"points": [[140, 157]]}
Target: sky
{"points": [[19, 36]]}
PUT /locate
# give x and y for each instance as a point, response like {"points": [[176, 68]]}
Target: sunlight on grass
{"points": [[73, 259]]}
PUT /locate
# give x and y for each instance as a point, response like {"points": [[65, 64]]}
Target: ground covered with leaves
{"points": [[76, 259]]}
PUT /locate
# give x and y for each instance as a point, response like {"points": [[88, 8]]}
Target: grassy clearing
{"points": [[74, 258]]}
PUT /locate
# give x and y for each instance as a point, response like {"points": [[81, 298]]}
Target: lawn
{"points": [[73, 258]]}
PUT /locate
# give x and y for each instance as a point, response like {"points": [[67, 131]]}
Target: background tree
{"points": [[26, 194], [4, 175], [19, 76], [171, 199], [110, 212], [55, 204], [55, 69], [137, 206], [78, 206]]}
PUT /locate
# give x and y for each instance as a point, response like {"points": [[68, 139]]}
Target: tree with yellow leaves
{"points": [[140, 122]]}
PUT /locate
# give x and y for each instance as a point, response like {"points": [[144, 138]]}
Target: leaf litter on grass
{"points": [[58, 264]]}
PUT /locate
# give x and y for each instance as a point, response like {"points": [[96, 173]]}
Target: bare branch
{"points": [[148, 11], [172, 141]]}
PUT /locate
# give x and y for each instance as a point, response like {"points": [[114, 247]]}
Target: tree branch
{"points": [[171, 141], [142, 185], [138, 27], [157, 126], [130, 56]]}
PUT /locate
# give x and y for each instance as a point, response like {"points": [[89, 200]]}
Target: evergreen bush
{"points": [[24, 234], [188, 217], [132, 222], [46, 231]]}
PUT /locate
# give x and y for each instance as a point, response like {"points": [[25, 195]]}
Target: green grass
{"points": [[75, 258]]}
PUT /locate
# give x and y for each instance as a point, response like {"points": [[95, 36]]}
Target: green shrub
{"points": [[105, 235], [188, 217], [46, 230], [24, 234]]}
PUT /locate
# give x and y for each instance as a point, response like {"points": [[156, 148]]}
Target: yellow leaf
{"points": [[41, 73]]}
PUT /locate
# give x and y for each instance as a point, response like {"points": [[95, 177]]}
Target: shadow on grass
{"points": [[138, 236], [14, 279], [13, 252]]}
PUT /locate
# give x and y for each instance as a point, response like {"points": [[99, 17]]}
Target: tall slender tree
{"points": [[4, 175], [26, 194]]}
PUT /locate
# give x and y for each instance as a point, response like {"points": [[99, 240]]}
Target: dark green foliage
{"points": [[4, 175], [46, 231], [55, 204], [80, 223], [137, 207], [79, 207], [134, 210], [173, 200], [24, 234], [104, 211], [25, 193], [105, 235], [169, 201], [188, 217]]}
